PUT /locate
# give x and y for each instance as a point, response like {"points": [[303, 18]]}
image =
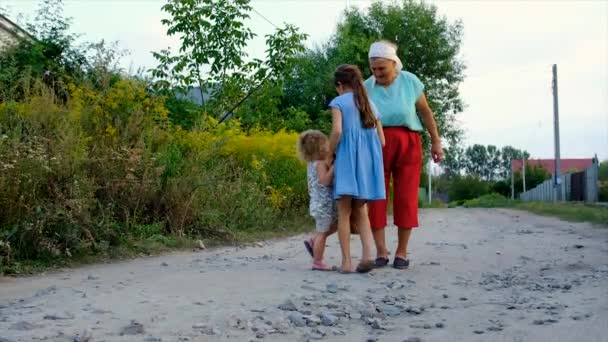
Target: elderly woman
{"points": [[399, 96]]}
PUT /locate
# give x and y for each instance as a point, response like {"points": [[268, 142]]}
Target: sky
{"points": [[509, 48]]}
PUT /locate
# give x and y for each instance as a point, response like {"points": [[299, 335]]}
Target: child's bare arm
{"points": [[380, 132], [336, 130], [326, 173]]}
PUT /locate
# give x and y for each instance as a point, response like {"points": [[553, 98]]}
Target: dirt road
{"points": [[476, 275]]}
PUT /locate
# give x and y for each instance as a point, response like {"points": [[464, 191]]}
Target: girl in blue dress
{"points": [[357, 140]]}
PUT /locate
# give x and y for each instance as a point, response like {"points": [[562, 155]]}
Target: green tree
{"points": [[603, 171], [428, 45], [509, 153], [493, 164], [51, 56], [476, 163], [213, 37], [454, 161]]}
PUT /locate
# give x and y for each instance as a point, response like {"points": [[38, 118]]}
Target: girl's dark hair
{"points": [[350, 75]]}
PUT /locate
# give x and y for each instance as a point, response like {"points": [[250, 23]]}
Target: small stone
{"points": [[312, 321], [376, 325], [297, 319], [493, 328], [59, 317], [260, 334], [259, 244], [439, 325], [338, 332], [92, 277], [426, 326], [511, 307], [151, 339], [478, 332], [464, 298], [434, 263], [538, 322], [579, 246], [332, 288], [391, 310], [288, 305], [164, 264], [413, 339], [84, 337], [415, 311], [328, 319], [445, 295], [134, 328]]}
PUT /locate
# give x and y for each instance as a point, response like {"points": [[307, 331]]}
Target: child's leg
{"points": [[365, 231], [328, 227], [344, 211]]}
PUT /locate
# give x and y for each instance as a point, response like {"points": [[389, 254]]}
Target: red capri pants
{"points": [[402, 156]]}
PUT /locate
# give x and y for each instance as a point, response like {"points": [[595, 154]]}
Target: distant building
{"points": [[566, 165], [11, 33]]}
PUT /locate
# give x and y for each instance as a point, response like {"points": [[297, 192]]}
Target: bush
{"points": [[489, 201], [466, 188], [108, 166], [603, 191]]}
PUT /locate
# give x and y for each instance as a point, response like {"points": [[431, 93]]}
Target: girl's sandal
{"points": [[320, 266], [309, 246]]}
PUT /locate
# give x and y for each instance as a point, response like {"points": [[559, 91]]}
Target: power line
{"points": [[263, 17]]}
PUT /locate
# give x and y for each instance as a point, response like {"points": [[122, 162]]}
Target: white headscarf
{"points": [[385, 50]]}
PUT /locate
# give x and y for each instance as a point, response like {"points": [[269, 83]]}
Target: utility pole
{"points": [[523, 171], [556, 177], [512, 181]]}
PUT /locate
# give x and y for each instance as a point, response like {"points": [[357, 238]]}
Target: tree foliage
{"points": [[428, 45]]}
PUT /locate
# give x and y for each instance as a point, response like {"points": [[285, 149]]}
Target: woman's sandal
{"points": [[401, 263], [365, 266], [381, 262]]}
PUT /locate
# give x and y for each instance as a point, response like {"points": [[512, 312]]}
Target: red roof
{"points": [[566, 165]]}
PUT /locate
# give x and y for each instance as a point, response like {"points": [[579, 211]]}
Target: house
{"points": [[11, 33], [566, 165]]}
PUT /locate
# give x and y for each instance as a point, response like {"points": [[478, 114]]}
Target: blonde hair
{"points": [[310, 144]]}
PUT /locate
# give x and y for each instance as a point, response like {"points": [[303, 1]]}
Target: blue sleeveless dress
{"points": [[358, 168]]}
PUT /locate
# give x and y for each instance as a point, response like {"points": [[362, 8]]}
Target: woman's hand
{"points": [[437, 151]]}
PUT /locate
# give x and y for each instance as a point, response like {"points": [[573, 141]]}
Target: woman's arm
{"points": [[326, 173], [336, 130], [429, 122], [380, 132]]}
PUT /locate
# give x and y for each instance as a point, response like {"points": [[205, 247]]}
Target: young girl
{"points": [[313, 147], [357, 139]]}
